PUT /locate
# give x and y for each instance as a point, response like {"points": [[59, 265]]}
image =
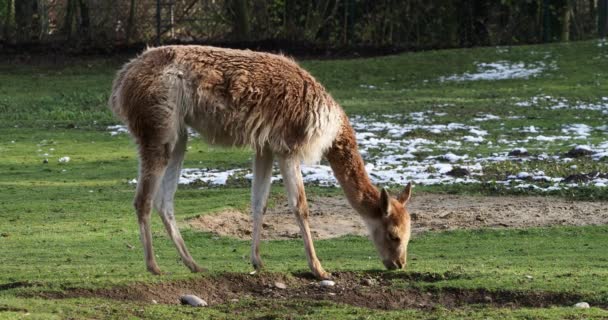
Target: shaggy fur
{"points": [[232, 97], [245, 98]]}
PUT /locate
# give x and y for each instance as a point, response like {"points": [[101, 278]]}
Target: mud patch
{"points": [[333, 217], [370, 290]]}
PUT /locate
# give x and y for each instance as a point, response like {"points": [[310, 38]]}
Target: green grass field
{"points": [[68, 226]]}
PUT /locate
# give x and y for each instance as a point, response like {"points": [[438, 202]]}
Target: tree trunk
{"points": [[479, 20], [346, 24], [8, 20], [240, 19], [592, 11], [131, 22], [26, 20], [465, 23], [565, 21], [602, 18], [84, 27], [68, 25], [554, 24]]}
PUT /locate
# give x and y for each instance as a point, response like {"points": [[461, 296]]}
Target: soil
{"points": [[333, 217], [371, 290]]}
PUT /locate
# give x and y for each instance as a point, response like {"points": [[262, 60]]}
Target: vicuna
{"points": [[245, 98]]}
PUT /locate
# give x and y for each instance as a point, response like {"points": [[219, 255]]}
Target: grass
{"points": [[71, 225]]}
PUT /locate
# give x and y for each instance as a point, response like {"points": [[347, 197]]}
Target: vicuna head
{"points": [[391, 233]]}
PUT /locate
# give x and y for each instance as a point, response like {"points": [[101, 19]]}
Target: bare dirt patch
{"points": [[370, 290], [333, 217]]}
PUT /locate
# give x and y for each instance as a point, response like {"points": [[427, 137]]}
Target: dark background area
{"points": [[303, 28]]}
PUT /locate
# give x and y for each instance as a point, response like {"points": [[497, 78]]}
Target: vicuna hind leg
{"points": [[153, 163], [292, 178], [262, 173], [163, 202]]}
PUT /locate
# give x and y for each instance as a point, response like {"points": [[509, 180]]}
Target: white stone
{"points": [[64, 159], [327, 283], [280, 285], [192, 300], [582, 305]]}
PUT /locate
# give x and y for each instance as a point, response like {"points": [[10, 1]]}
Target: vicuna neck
{"points": [[349, 168]]}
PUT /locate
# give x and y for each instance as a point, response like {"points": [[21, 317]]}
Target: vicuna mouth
{"points": [[393, 265]]}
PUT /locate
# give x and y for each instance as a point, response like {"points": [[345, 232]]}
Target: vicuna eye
{"points": [[394, 238]]}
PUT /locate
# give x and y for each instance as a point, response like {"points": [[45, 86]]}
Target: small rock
{"points": [[582, 305], [487, 299], [64, 159], [579, 151], [458, 172], [154, 301], [234, 300], [369, 282], [529, 277], [584, 177], [193, 300], [332, 294], [327, 283], [519, 152], [280, 285]]}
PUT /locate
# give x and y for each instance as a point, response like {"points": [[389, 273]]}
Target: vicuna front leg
{"points": [[262, 174], [163, 202], [292, 178]]}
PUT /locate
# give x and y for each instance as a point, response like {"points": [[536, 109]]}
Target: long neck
{"points": [[349, 168]]}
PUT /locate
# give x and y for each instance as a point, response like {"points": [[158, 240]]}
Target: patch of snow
{"points": [[582, 130], [473, 139], [486, 117], [501, 70], [530, 129], [117, 129], [394, 158]]}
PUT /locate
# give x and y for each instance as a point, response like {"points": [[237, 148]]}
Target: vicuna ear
{"points": [[385, 201], [405, 195]]}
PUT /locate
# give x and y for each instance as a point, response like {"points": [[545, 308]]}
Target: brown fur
{"points": [[232, 97], [244, 98], [349, 169], [383, 219]]}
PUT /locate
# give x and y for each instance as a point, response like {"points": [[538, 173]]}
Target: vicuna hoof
{"points": [[323, 275], [257, 264], [198, 269], [155, 271]]}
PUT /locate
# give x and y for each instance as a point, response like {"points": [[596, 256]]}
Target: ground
{"points": [[505, 146], [332, 217]]}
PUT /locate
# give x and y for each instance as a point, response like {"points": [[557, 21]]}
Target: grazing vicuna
{"points": [[245, 98]]}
